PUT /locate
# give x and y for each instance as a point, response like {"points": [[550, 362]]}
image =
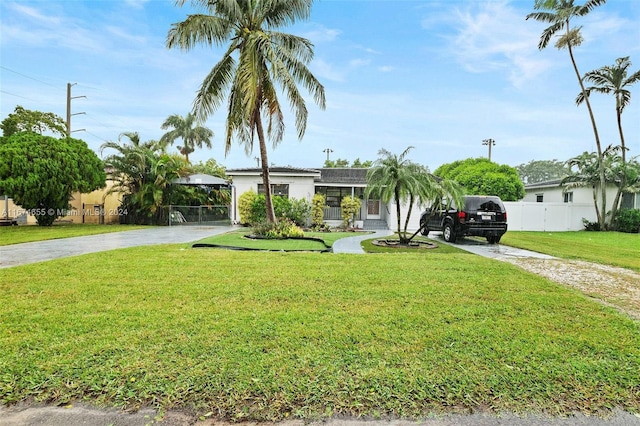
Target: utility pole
{"points": [[491, 143], [328, 151], [69, 97]]}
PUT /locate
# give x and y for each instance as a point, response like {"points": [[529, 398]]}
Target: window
{"points": [[539, 198], [334, 195], [568, 197], [276, 189], [628, 201]]}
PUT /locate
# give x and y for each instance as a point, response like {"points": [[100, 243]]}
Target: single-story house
{"points": [[300, 183]]}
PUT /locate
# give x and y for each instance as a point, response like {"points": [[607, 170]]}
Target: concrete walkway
{"points": [[352, 244]]}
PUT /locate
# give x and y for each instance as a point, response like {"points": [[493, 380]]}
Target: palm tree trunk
{"points": [[264, 163], [623, 178], [595, 203], [397, 197], [406, 221], [603, 183]]}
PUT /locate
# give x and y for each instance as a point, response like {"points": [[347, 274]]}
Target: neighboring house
{"points": [[298, 183], [547, 206], [553, 191], [95, 207]]}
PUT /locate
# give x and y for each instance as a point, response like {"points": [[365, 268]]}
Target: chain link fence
{"points": [[198, 215]]}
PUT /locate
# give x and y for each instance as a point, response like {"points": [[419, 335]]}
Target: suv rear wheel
{"points": [[448, 233], [493, 239]]}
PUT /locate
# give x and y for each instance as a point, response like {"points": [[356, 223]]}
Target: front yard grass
{"points": [[238, 239], [30, 233], [271, 336], [608, 248]]}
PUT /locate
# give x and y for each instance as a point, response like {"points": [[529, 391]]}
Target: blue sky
{"points": [[441, 76]]}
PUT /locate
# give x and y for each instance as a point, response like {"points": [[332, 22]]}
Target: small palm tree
{"points": [[183, 128], [559, 14], [395, 177], [614, 80], [142, 173], [258, 57]]}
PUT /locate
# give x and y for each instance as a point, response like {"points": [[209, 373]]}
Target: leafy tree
{"points": [[559, 14], [480, 176], [23, 120], [342, 163], [264, 59], [183, 128], [41, 172], [210, 167], [357, 164], [542, 170], [613, 80], [144, 173], [336, 164], [395, 177]]}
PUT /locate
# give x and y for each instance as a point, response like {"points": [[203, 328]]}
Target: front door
{"points": [[373, 209]]}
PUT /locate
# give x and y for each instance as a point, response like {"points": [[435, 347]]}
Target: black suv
{"points": [[482, 216]]}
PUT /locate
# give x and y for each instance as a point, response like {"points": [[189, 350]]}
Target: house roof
{"points": [[273, 170], [553, 183], [200, 179], [352, 176]]}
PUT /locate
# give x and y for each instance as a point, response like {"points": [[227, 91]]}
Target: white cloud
{"points": [[33, 13], [320, 34]]}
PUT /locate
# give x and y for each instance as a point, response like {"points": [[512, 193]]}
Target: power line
{"points": [[26, 76], [17, 96]]}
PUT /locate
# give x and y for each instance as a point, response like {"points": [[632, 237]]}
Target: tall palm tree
{"points": [[257, 58], [559, 14], [613, 80], [395, 177], [183, 128]]}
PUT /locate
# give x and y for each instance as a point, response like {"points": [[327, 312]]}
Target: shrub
{"points": [[590, 226], [318, 204], [245, 203], [350, 207], [284, 228], [295, 210], [299, 211], [317, 213], [628, 220]]}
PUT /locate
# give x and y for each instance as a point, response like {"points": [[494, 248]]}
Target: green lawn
{"points": [[29, 233], [238, 239], [256, 335], [609, 248]]}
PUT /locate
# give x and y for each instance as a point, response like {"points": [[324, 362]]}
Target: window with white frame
{"points": [[276, 189], [539, 198], [568, 197]]}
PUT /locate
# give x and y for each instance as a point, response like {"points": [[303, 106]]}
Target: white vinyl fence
{"points": [[531, 216], [522, 216]]}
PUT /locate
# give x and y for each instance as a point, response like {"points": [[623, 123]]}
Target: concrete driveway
{"points": [[39, 251], [494, 251]]}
